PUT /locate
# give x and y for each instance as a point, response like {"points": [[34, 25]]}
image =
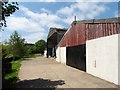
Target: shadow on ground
{"points": [[27, 59], [38, 83]]}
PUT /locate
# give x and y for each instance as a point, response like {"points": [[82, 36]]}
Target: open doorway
{"points": [[76, 57]]}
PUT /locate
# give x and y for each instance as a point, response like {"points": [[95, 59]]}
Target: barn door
{"points": [[76, 57]]}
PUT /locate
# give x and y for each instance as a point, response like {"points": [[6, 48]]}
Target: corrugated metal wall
{"points": [[75, 36], [94, 31], [80, 32]]}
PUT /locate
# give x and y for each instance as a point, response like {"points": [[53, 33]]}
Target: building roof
{"points": [[54, 36], [105, 20], [54, 30], [81, 31]]}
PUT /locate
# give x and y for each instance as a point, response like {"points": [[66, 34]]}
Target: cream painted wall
{"points": [[119, 59], [45, 53], [61, 54], [58, 54], [102, 57]]}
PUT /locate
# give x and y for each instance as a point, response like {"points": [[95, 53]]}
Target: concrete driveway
{"points": [[41, 72]]}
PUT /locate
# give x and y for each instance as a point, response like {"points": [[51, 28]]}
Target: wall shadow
{"points": [[27, 59], [38, 83]]}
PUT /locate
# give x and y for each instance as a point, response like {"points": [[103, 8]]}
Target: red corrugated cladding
{"points": [[80, 32]]}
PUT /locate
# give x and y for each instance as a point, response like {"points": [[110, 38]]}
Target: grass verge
{"points": [[33, 56], [15, 68], [12, 77]]}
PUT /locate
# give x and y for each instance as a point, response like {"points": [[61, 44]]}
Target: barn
{"points": [[54, 36], [92, 46]]}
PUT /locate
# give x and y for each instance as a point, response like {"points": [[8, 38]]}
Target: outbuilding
{"points": [[54, 36], [92, 46]]}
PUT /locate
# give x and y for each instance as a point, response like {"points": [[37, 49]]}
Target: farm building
{"points": [[92, 46], [54, 36]]}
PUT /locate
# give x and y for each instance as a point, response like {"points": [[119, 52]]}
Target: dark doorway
{"points": [[76, 57]]}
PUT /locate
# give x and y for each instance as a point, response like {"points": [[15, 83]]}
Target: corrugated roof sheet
{"points": [[81, 31]]}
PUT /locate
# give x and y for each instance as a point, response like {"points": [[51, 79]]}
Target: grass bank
{"points": [[11, 78], [15, 69]]}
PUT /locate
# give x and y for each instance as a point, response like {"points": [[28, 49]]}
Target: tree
{"points": [[6, 10], [5, 51], [18, 48], [40, 46], [31, 48]]}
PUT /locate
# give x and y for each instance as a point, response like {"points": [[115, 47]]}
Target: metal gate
{"points": [[76, 57]]}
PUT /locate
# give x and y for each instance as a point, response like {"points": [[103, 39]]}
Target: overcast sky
{"points": [[33, 19]]}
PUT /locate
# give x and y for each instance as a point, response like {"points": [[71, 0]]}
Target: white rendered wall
{"points": [[45, 53], [119, 59], [61, 55], [58, 54], [102, 58]]}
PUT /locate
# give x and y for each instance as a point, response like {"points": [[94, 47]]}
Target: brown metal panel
{"points": [[86, 30], [109, 29], [100, 30], [73, 36], [77, 35], [118, 27], [66, 41], [115, 29], [112, 28], [80, 32], [103, 29], [96, 31], [90, 34], [93, 31]]}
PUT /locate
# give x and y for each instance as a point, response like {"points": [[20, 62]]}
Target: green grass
{"points": [[15, 69], [16, 66], [32, 56], [11, 78]]}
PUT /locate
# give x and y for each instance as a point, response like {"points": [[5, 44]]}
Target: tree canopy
{"points": [[18, 48], [40, 46], [6, 10]]}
